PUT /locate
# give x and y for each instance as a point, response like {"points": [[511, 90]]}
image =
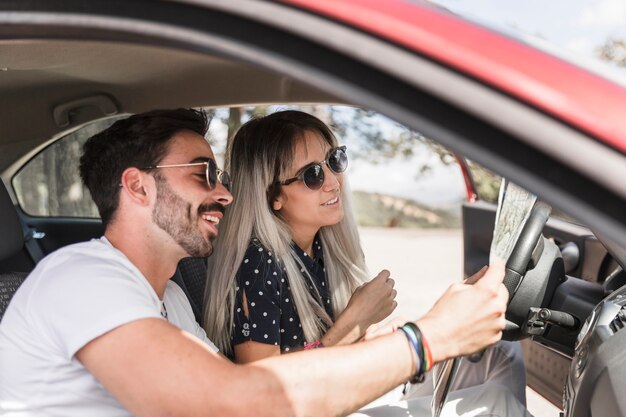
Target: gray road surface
{"points": [[422, 262]]}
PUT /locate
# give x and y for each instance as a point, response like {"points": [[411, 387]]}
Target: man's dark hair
{"points": [[139, 141]]}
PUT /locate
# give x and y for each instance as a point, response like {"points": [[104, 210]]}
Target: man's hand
{"points": [[468, 317], [384, 328]]}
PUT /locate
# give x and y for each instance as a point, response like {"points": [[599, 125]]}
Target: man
{"points": [[90, 331]]}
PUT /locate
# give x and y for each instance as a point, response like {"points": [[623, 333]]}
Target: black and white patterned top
{"points": [[273, 318]]}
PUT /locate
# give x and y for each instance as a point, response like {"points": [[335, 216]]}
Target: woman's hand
{"points": [[373, 301], [370, 303]]}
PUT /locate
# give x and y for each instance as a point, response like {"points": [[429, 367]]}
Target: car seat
{"points": [[191, 276], [11, 242]]}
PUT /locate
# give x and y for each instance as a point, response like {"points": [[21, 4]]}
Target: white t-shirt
{"points": [[179, 313], [74, 295]]}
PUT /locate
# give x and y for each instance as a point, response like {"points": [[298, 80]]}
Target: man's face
{"points": [[186, 208], [178, 218]]}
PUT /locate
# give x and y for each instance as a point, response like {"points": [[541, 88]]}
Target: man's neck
{"points": [[151, 260]]}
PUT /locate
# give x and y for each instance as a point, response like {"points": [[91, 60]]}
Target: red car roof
{"points": [[584, 100]]}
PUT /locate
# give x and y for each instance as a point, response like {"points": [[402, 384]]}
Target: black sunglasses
{"points": [[212, 173], [313, 174]]}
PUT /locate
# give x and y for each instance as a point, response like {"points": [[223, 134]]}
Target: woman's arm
{"points": [[251, 351], [370, 303], [257, 311]]}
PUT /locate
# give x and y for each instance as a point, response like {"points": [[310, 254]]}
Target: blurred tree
{"points": [[486, 182], [49, 185], [234, 121], [613, 50], [234, 117], [374, 140]]}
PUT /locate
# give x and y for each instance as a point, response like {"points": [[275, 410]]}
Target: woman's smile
{"points": [[332, 202]]}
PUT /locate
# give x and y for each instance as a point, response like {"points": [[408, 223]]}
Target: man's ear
{"points": [[135, 183]]}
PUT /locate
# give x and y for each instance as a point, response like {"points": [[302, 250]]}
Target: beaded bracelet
{"points": [[427, 357], [424, 358], [428, 353], [313, 345], [417, 355]]}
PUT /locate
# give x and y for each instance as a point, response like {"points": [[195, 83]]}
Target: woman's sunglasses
{"points": [[313, 174], [212, 173]]}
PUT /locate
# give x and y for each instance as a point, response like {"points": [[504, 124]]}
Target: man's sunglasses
{"points": [[212, 173], [313, 174]]}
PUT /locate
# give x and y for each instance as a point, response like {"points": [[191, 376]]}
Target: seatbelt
{"points": [[31, 245]]}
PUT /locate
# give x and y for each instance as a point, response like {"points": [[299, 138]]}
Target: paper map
{"points": [[514, 207]]}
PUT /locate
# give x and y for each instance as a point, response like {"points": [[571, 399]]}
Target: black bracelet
{"points": [[417, 351], [420, 340]]}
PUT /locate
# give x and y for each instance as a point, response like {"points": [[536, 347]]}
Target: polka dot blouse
{"points": [[273, 318]]}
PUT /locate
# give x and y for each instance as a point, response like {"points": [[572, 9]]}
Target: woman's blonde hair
{"points": [[260, 153]]}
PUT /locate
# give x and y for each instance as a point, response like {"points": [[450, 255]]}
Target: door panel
{"points": [[546, 370], [57, 232], [44, 235], [478, 221]]}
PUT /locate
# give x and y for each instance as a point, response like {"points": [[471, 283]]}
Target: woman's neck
{"points": [[305, 241]]}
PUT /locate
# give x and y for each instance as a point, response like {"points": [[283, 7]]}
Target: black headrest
{"points": [[11, 237]]}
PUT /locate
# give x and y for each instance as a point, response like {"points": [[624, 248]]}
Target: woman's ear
{"points": [[277, 204]]}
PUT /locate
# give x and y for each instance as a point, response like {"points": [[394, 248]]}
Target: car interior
{"points": [[568, 296], [12, 242]]}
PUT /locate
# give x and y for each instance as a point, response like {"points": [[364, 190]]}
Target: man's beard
{"points": [[174, 216]]}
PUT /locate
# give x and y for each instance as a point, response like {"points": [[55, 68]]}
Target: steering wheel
{"points": [[531, 276], [528, 285]]}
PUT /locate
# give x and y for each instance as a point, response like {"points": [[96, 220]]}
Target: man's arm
{"points": [[154, 369]]}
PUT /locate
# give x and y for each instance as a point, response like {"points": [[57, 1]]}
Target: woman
{"points": [[289, 255], [289, 262]]}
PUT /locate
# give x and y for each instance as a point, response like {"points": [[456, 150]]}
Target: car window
{"points": [[49, 184], [487, 186], [399, 178], [486, 183], [407, 193], [407, 196]]}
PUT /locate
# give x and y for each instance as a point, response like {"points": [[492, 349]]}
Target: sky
{"points": [[576, 25], [443, 186]]}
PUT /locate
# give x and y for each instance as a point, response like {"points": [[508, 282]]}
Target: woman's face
{"points": [[305, 210]]}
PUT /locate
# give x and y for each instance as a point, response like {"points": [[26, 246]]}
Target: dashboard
{"points": [[597, 377], [584, 371]]}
